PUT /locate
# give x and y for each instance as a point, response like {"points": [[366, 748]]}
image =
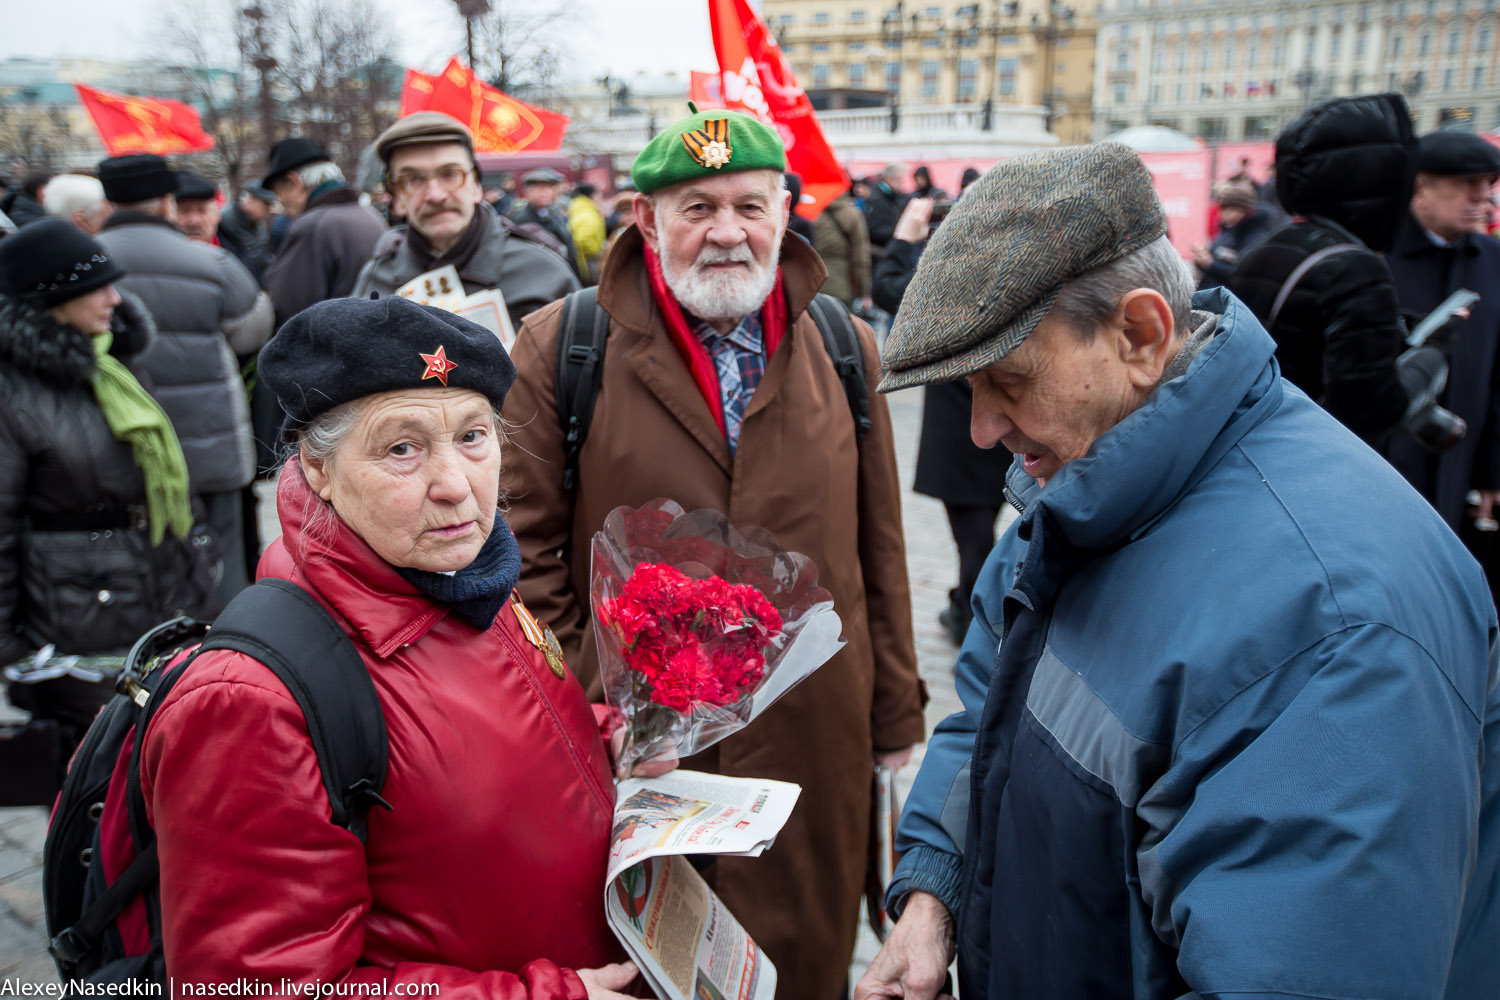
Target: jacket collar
{"points": [[1139, 468], [1414, 242], [367, 592], [61, 354], [132, 217], [485, 264], [332, 193]]}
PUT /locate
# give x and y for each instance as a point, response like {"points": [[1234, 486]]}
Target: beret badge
{"points": [[709, 145], [438, 365]]}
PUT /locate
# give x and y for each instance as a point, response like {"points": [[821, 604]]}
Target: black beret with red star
{"points": [[346, 349]]}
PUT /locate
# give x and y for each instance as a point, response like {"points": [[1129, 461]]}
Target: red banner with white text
{"points": [[754, 78], [129, 124]]}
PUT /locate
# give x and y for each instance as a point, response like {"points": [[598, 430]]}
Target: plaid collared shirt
{"points": [[740, 360]]}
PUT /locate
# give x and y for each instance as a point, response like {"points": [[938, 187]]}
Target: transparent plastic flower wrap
{"points": [[700, 626]]}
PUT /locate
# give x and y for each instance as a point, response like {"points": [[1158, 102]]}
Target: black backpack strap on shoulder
{"points": [[581, 333], [285, 628], [842, 342]]}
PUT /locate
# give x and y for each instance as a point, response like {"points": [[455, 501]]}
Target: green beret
{"points": [[704, 144]]}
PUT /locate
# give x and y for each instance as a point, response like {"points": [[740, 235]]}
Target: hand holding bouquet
{"points": [[700, 627]]}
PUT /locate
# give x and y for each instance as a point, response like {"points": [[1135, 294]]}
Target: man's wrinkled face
{"points": [[436, 188], [199, 218], [1451, 206], [719, 239], [1052, 397]]}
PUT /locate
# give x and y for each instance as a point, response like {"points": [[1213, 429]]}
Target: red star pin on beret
{"points": [[438, 365]]}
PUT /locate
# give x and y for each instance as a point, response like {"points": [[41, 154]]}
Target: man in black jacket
{"points": [[884, 207], [1319, 285], [1443, 248]]}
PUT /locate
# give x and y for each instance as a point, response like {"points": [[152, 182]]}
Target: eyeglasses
{"points": [[449, 178]]}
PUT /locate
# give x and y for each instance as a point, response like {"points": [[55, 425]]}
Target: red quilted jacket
{"points": [[487, 875]]}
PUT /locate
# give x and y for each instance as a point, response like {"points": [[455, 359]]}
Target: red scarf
{"points": [[773, 322]]}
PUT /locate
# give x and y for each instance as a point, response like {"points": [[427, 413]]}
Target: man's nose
{"points": [[988, 424], [727, 230]]}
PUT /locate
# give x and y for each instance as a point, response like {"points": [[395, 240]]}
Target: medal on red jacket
{"points": [[539, 635]]}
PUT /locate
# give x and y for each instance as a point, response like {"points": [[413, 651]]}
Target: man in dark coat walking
{"points": [[1441, 249], [331, 236]]}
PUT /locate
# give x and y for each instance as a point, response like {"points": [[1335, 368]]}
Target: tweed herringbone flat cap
{"points": [[994, 267]]}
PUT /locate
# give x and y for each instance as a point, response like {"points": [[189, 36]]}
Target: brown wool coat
{"points": [[798, 473]]}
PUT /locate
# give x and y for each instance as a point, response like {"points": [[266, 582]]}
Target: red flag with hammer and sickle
{"points": [[500, 123], [129, 124]]}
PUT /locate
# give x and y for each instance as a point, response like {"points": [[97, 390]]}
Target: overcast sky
{"points": [[614, 36]]}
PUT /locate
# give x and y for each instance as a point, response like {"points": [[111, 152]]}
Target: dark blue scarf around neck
{"points": [[479, 590]]}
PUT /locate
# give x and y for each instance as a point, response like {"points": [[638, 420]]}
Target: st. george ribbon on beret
{"points": [[1457, 154], [423, 127], [341, 350], [706, 144], [994, 267]]}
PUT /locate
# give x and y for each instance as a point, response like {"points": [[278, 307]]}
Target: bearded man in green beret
{"points": [[717, 391]]}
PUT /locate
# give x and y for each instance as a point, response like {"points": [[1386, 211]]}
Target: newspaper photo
{"points": [[684, 940], [444, 289]]}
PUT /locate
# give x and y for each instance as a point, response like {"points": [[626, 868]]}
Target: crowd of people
{"points": [[1231, 717]]}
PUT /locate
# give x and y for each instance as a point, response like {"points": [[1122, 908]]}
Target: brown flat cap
{"points": [[994, 267], [423, 127]]}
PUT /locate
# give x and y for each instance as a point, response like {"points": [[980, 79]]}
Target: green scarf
{"points": [[135, 418]]}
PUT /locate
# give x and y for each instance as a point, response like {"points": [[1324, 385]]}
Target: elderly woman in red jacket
{"points": [[486, 876]]}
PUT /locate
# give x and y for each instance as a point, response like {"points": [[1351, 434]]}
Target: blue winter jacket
{"points": [[1242, 735]]}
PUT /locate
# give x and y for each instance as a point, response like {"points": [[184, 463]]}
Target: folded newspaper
{"points": [[684, 940], [444, 289]]}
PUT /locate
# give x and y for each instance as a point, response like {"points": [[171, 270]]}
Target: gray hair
{"points": [[71, 193], [1090, 299], [321, 172]]}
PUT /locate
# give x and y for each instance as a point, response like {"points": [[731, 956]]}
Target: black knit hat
{"points": [[341, 350], [51, 261], [291, 153], [139, 177]]}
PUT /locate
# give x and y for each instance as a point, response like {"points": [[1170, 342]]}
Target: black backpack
{"points": [[580, 366], [285, 628]]}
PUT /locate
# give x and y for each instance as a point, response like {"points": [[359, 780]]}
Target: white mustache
{"points": [[719, 255]]}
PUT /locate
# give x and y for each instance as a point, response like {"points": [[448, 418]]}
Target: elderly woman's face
{"points": [[418, 478]]}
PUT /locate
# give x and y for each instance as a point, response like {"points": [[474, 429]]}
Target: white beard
{"points": [[719, 296]]}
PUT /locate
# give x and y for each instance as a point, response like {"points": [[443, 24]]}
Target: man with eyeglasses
{"points": [[431, 173]]}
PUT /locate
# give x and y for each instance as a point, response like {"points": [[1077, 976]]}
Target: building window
{"points": [[855, 46], [1359, 44], [1335, 44], [929, 43], [820, 17], [1204, 56], [1478, 77], [1260, 127], [1156, 93], [1122, 59], [1010, 39], [1178, 92], [856, 17], [1453, 43], [787, 20], [1278, 55], [1483, 43], [857, 74], [1158, 60], [933, 12], [929, 77], [1120, 93], [1252, 55], [1228, 53], [1181, 58], [820, 46], [1397, 43], [1448, 77], [892, 76], [1005, 70], [1211, 129], [1424, 43], [968, 71]]}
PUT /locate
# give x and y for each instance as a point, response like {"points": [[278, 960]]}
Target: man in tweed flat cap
{"points": [[1241, 736]]}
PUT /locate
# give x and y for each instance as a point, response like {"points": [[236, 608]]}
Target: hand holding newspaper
{"points": [[444, 289], [684, 940]]}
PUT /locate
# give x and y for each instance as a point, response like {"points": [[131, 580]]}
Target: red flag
{"points": [[704, 90], [756, 79], [416, 93], [130, 124], [500, 123]]}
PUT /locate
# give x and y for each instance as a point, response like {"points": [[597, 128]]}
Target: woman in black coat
{"points": [[90, 558]]}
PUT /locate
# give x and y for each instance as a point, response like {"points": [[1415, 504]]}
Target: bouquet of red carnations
{"points": [[699, 626]]}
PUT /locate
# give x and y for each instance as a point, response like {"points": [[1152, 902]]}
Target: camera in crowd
{"points": [[1424, 374]]}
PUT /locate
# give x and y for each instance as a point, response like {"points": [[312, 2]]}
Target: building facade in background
{"points": [[929, 53], [1227, 71]]}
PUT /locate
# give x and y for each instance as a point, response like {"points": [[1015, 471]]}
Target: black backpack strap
{"points": [[286, 629], [77, 941], [580, 371], [842, 342]]}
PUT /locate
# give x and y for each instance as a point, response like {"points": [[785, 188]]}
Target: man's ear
{"points": [[316, 472], [645, 217], [1146, 335]]}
